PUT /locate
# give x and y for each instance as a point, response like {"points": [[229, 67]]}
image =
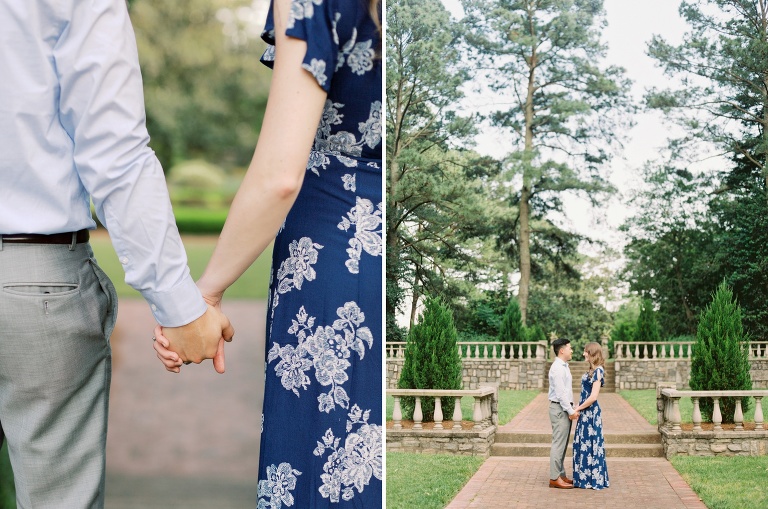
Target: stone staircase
{"points": [[537, 445], [578, 368]]}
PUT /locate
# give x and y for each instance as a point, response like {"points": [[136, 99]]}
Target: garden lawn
{"points": [[510, 403], [644, 401], [253, 284], [426, 481], [722, 482], [733, 482]]}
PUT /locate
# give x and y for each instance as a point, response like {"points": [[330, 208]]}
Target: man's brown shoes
{"points": [[569, 481], [560, 483]]}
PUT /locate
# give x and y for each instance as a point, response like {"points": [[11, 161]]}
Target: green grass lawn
{"points": [[254, 284], [426, 481], [644, 401], [722, 482], [735, 482], [510, 403], [430, 481]]}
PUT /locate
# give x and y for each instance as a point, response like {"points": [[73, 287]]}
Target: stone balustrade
{"points": [[652, 350], [484, 414], [437, 439], [698, 442], [482, 350]]}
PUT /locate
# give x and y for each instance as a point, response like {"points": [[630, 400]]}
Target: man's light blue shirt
{"points": [[561, 385], [72, 128]]}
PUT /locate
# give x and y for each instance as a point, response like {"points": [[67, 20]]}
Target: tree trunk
{"points": [[525, 193]]}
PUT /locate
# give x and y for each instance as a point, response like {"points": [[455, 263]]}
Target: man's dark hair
{"points": [[558, 344]]}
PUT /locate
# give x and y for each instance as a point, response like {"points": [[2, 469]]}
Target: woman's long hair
{"points": [[375, 12], [595, 356]]}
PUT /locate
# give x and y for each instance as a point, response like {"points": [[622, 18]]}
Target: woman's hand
{"points": [[170, 359]]}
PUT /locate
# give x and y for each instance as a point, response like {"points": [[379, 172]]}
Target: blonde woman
{"points": [[589, 467]]}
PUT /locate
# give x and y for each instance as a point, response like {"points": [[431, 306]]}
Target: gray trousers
{"points": [[57, 311], [561, 430]]}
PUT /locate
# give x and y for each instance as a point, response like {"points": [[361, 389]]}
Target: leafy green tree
{"points": [[624, 323], [512, 324], [646, 328], [535, 333], [720, 355], [431, 359], [205, 92], [721, 101], [564, 109], [435, 190]]}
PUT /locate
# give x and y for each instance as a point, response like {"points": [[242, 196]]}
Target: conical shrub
{"points": [[431, 359], [720, 358]]}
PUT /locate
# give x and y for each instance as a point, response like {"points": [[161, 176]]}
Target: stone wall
{"points": [[759, 373], [463, 442], [714, 443], [644, 373], [530, 373], [517, 374]]}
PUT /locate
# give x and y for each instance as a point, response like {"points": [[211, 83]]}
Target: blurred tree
{"points": [[205, 91], [512, 324], [565, 107]]}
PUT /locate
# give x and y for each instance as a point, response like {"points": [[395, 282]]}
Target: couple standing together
{"points": [[72, 130], [589, 467]]}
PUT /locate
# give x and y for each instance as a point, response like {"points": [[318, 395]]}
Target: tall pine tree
{"points": [[720, 356]]}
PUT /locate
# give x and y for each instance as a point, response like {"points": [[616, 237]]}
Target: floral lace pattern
{"points": [[327, 350], [276, 489], [302, 9], [343, 144], [352, 466], [589, 466], [368, 232]]}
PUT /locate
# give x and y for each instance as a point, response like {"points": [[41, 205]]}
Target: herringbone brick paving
{"points": [[522, 483]]}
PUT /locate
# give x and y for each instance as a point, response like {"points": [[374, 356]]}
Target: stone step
{"points": [[611, 450], [546, 438]]}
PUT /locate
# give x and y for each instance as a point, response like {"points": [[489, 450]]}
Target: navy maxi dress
{"points": [[321, 442], [589, 467]]}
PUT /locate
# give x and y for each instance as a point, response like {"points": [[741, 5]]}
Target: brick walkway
{"points": [[188, 440], [504, 482]]}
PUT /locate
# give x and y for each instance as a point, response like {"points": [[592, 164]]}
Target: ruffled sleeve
{"points": [[312, 21], [599, 372]]}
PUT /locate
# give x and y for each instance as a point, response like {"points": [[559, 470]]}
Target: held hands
{"points": [[199, 340], [574, 416]]}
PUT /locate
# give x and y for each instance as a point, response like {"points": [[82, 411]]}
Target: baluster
{"points": [[664, 351], [618, 351], [461, 352], [696, 414], [457, 412], [418, 416], [688, 354], [738, 417], [676, 414], [717, 417], [635, 354], [397, 414], [438, 413], [758, 413], [477, 414], [485, 351], [487, 410]]}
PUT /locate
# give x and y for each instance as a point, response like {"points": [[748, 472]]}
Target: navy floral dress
{"points": [[589, 467], [321, 442]]}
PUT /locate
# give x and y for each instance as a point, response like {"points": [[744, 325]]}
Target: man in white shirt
{"points": [[72, 129], [561, 412]]}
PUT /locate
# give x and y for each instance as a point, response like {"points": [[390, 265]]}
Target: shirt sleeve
{"points": [[313, 21], [101, 106], [564, 390]]}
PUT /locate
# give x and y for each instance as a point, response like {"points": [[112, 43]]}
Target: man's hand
{"points": [[574, 416], [199, 340]]}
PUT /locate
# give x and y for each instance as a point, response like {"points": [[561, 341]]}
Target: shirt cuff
{"points": [[178, 306]]}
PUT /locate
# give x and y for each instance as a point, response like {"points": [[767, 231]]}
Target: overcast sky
{"points": [[631, 25]]}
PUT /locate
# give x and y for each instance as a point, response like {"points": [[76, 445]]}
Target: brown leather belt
{"points": [[38, 238]]}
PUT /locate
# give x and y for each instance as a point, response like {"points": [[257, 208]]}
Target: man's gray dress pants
{"points": [[561, 430], [57, 311]]}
